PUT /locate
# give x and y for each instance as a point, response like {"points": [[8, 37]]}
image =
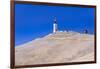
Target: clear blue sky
{"points": [[33, 21]]}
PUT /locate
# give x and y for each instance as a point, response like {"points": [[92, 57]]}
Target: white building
{"points": [[55, 27]]}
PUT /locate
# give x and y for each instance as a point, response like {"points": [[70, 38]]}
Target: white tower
{"points": [[55, 25]]}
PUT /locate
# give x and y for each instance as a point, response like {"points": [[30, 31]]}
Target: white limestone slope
{"points": [[60, 47]]}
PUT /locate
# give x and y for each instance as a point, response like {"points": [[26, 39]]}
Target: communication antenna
{"points": [[85, 30]]}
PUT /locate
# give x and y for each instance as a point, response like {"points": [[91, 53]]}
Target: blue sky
{"points": [[33, 21]]}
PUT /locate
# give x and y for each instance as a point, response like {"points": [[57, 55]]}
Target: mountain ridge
{"points": [[55, 48]]}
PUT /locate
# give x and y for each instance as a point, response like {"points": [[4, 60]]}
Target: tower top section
{"points": [[55, 20]]}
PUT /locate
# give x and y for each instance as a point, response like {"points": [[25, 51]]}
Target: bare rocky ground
{"points": [[60, 47]]}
